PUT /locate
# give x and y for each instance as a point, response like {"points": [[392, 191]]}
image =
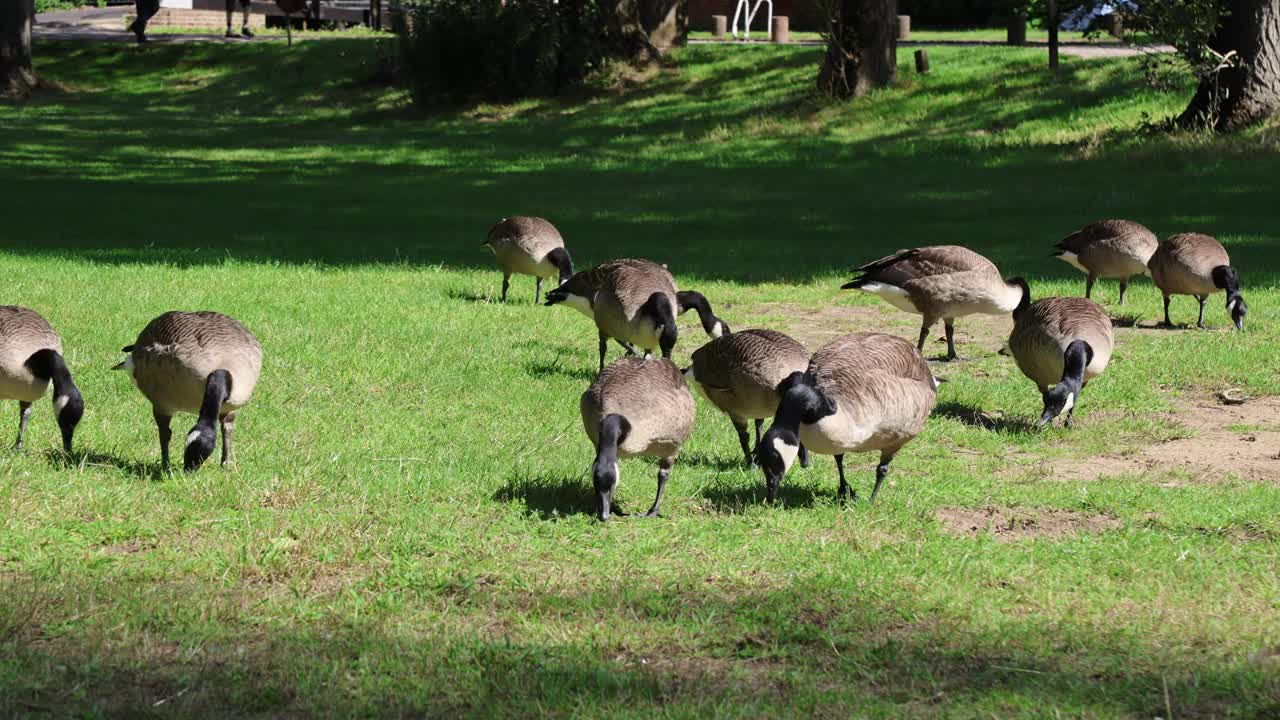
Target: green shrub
{"points": [[455, 50], [51, 5]]}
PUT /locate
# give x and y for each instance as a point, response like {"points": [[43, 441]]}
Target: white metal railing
{"points": [[744, 6]]}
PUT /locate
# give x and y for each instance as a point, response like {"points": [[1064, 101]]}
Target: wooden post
{"points": [[781, 30], [904, 27], [922, 61], [719, 26], [1053, 35]]}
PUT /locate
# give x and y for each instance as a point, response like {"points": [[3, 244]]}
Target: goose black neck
{"points": [[692, 300], [1226, 278], [613, 430], [1024, 302], [217, 390], [48, 365], [1077, 357], [560, 258], [802, 402], [658, 308]]}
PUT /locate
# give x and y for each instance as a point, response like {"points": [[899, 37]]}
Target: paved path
{"points": [[107, 25]]}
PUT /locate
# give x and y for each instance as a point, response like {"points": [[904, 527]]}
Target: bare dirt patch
{"points": [[1229, 440], [128, 547], [1010, 524], [816, 326]]}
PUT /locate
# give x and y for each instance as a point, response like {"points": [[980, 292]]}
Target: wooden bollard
{"points": [[922, 61], [904, 27], [781, 30], [719, 26]]}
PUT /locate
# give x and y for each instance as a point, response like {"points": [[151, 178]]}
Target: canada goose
{"points": [[31, 358], [1116, 249], [197, 362], [861, 392], [942, 282], [739, 373], [635, 407], [636, 303], [1060, 344], [529, 246], [1195, 264]]}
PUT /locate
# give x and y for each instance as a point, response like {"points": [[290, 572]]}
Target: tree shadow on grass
{"points": [[974, 416], [717, 462], [731, 498]]}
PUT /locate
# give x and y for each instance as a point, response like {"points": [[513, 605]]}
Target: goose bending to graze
{"points": [[1116, 249], [739, 373], [31, 359], [942, 282], [198, 362], [635, 302], [635, 407], [1197, 265], [1060, 344], [529, 246], [860, 393]]}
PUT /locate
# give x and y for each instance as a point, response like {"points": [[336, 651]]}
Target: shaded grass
{"points": [[405, 534]]}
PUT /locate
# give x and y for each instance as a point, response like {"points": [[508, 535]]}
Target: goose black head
{"points": [[68, 404], [1061, 398], [803, 402], [203, 437], [1226, 277], [564, 264]]}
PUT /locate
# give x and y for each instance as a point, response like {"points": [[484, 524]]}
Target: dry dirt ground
{"points": [[1225, 441], [1009, 524]]}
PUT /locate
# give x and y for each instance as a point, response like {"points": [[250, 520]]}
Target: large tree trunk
{"points": [[16, 75], [862, 47], [1249, 92]]}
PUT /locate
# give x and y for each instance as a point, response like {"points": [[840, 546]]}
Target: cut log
{"points": [[781, 30], [719, 26]]}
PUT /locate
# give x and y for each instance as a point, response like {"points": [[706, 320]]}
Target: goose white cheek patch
{"points": [[1070, 403], [718, 330], [61, 402], [787, 451], [193, 436]]}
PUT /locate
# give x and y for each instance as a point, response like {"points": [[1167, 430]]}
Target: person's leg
{"points": [[231, 11], [244, 18]]}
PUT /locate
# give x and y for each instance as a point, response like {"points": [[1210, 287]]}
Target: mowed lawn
{"points": [[407, 530]]}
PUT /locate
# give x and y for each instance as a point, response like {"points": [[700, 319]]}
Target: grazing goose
{"points": [[1116, 249], [861, 392], [529, 246], [31, 358], [197, 362], [942, 282], [739, 373], [635, 407], [635, 302], [1060, 344], [1195, 264]]}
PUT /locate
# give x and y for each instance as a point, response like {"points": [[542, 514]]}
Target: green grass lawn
{"points": [[407, 529], [1034, 34]]}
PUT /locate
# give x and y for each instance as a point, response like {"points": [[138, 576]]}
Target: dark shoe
{"points": [[231, 33], [136, 28], [245, 31]]}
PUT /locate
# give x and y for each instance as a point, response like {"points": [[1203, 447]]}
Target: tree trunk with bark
{"points": [[862, 47], [1249, 91], [16, 75]]}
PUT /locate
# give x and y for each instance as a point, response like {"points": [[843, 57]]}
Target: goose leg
{"points": [[744, 439], [162, 424], [228, 427], [881, 470], [1067, 422], [1124, 285], [537, 293], [24, 414], [759, 424], [950, 326], [1167, 321], [604, 348], [631, 349], [506, 283], [664, 471], [804, 456], [924, 335], [1202, 299], [844, 490], [1088, 286]]}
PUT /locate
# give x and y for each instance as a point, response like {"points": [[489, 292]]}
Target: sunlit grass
{"points": [[407, 531]]}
